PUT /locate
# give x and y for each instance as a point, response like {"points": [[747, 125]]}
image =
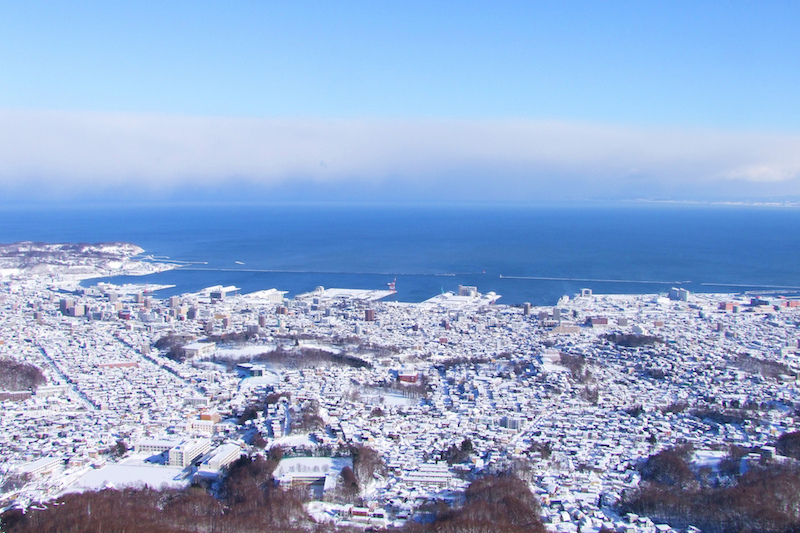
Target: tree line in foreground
{"points": [[250, 501], [763, 497]]}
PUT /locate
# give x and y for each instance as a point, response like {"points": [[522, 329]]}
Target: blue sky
{"points": [[507, 101]]}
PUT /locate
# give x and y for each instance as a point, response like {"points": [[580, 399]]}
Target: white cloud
{"points": [[81, 151]]}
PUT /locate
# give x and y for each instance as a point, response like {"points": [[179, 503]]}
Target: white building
{"points": [[270, 296], [154, 446], [44, 465], [430, 476], [188, 451], [199, 349], [220, 457]]}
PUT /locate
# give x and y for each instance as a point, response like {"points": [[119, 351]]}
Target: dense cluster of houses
{"points": [[570, 397]]}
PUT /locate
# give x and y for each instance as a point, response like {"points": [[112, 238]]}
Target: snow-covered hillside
{"points": [[75, 260]]}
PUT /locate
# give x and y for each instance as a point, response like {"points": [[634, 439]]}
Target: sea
{"points": [[530, 254]]}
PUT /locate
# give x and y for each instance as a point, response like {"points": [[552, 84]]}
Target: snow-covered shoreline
{"points": [[73, 263]]}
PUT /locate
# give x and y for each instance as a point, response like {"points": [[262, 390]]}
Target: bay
{"points": [[524, 253]]}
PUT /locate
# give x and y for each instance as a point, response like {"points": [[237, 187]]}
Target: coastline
{"points": [[69, 264]]}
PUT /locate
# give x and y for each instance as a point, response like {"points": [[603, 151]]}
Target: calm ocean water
{"points": [[622, 249]]}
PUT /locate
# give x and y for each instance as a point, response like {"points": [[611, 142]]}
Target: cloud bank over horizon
{"points": [[62, 155]]}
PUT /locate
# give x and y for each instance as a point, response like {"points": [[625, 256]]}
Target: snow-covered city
{"points": [[382, 411]]}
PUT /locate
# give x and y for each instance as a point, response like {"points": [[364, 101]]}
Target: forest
{"points": [[18, 376], [250, 501], [763, 497]]}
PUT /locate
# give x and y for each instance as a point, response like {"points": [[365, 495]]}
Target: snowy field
{"points": [[131, 473]]}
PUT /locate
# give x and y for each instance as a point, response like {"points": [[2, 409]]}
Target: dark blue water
{"points": [[646, 249]]}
